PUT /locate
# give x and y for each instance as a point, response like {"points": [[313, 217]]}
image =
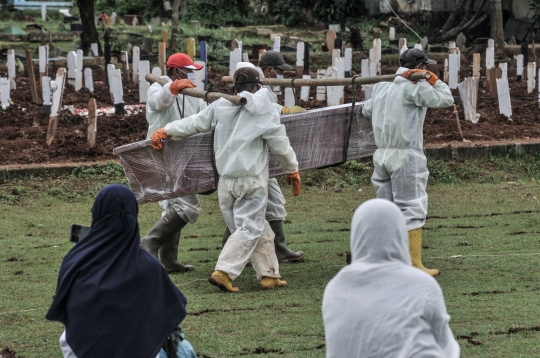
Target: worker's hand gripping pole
{"points": [[207, 95]]}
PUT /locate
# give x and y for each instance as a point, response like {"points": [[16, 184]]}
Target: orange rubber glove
{"points": [[156, 138], [431, 80], [294, 180], [179, 85]]}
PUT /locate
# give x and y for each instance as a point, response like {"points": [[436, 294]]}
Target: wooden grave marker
{"points": [[144, 69], [31, 76], [11, 69], [234, 58], [191, 48], [531, 74], [58, 91], [135, 63], [476, 65], [331, 40], [321, 90], [490, 57], [47, 95], [92, 123], [494, 74], [519, 67], [505, 105], [299, 59], [377, 49], [88, 79], [124, 58], [162, 55], [165, 37]]}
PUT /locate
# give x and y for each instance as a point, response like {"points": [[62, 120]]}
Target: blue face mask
{"points": [[191, 77]]}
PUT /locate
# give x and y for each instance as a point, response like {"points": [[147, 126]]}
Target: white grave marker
{"points": [[336, 55], [144, 69], [504, 69], [79, 70], [47, 94], [277, 44], [117, 91], [136, 59], [453, 70], [4, 92], [519, 67], [445, 70], [365, 67], [321, 90], [43, 61], [88, 79], [289, 97], [156, 71], [348, 62], [199, 76], [334, 92], [94, 49], [490, 55], [468, 90], [392, 34], [245, 57], [304, 92], [368, 90], [403, 49], [235, 57], [43, 12], [531, 73], [72, 67], [505, 106], [340, 66], [300, 54], [58, 91], [113, 18], [11, 69]]}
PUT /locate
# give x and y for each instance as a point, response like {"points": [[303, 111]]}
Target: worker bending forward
{"points": [[242, 137], [398, 110], [165, 105]]}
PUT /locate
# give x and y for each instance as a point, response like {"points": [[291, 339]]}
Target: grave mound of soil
{"points": [[24, 124]]}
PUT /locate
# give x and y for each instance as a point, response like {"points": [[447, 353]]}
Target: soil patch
{"points": [[24, 124]]}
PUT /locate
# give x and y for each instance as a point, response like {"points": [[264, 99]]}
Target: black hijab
{"points": [[114, 298]]}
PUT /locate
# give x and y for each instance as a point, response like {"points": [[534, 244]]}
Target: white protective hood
{"points": [[380, 306]]}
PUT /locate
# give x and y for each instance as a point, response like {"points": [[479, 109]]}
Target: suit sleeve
{"points": [[201, 122], [425, 95]]}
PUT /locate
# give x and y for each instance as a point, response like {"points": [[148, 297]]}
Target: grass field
{"points": [[483, 237]]}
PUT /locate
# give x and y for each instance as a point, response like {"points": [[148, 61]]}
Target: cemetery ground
{"points": [[482, 233]]}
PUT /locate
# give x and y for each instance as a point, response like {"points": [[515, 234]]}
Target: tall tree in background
{"points": [[497, 33], [89, 34], [174, 33]]}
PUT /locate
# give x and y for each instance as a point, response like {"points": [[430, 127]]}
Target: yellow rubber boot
{"points": [[223, 281], [415, 249], [272, 282]]}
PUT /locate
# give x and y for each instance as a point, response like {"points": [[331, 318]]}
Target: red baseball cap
{"points": [[181, 60]]}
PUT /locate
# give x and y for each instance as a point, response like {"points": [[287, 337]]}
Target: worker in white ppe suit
{"points": [[379, 305], [274, 65], [242, 137], [400, 174], [164, 105]]}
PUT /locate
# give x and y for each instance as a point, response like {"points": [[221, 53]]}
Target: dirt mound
{"points": [[24, 124]]}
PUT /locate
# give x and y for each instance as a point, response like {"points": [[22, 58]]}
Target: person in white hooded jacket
{"points": [[400, 174], [164, 105], [379, 305], [242, 137]]}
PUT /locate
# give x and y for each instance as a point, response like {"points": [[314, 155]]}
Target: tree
{"points": [[89, 34], [470, 19], [174, 32], [497, 34]]}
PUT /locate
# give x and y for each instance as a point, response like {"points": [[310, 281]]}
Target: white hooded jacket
{"points": [[379, 305], [242, 135], [163, 107]]}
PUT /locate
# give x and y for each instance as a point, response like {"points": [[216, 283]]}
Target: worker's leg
{"points": [[409, 190], [381, 178], [275, 215]]}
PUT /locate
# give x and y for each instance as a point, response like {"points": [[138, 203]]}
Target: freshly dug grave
{"points": [[23, 126]]}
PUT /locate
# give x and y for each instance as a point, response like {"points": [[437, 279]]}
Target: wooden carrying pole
{"points": [[237, 100], [332, 81]]}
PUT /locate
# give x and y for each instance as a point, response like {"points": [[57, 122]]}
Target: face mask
{"points": [[279, 76], [191, 77]]}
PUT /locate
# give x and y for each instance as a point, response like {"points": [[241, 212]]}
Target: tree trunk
{"points": [[497, 34], [89, 34], [174, 33]]}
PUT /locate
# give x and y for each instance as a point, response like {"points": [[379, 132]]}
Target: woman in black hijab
{"points": [[114, 298]]}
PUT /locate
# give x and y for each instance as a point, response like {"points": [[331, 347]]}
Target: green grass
{"points": [[482, 234]]}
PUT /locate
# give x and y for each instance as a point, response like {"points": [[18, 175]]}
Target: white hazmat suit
{"points": [[398, 110], [379, 305], [242, 137], [162, 108]]}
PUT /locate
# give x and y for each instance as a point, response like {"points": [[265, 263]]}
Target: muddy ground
{"points": [[23, 125]]}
